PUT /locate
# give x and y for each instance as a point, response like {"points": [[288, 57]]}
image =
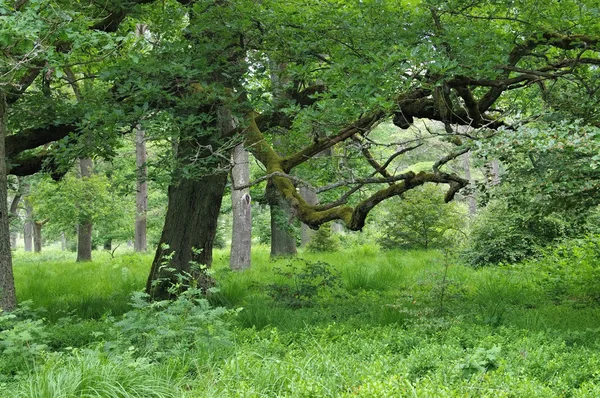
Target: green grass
{"points": [[57, 283], [402, 324]]}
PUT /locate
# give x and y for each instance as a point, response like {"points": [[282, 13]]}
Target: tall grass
{"points": [[403, 324], [90, 373], [57, 283]]}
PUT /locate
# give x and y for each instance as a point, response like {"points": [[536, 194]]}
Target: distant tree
{"points": [[421, 220]]}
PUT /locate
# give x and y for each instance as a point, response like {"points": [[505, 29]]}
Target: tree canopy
{"points": [[205, 75]]}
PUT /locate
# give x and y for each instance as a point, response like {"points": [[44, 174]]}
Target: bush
{"points": [[571, 269], [161, 329], [421, 220], [303, 282], [504, 234], [323, 240]]}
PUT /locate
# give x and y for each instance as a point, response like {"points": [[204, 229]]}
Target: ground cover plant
{"points": [[390, 324]]}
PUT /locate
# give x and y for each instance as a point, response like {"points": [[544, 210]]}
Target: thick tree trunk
{"points": [[241, 235], [309, 194], [84, 230], [8, 299], [28, 227], [283, 241], [37, 236], [188, 234], [141, 197]]}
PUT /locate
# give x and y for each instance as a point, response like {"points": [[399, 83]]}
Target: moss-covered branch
{"points": [[353, 217]]}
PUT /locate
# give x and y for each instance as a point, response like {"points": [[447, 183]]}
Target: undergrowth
{"points": [[355, 323]]}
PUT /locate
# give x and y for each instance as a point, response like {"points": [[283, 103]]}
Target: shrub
{"points": [[323, 240], [23, 338], [163, 328], [571, 269], [421, 220], [304, 281], [504, 234]]}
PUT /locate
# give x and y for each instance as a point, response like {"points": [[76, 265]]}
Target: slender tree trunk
{"points": [[471, 200], [14, 213], [188, 234], [28, 227], [495, 172], [107, 245], [337, 227], [84, 230], [37, 236], [283, 241], [241, 235], [8, 299], [141, 197], [63, 241], [309, 194]]}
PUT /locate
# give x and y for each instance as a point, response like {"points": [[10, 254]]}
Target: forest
{"points": [[303, 198]]}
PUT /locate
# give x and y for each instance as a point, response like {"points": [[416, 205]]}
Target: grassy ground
{"points": [[356, 323]]}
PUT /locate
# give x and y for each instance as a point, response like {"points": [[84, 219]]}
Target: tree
{"points": [[337, 75], [141, 193], [85, 226], [348, 67], [8, 298], [241, 236], [421, 220]]}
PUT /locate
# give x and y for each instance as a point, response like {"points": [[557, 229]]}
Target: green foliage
{"points": [[388, 340], [303, 283], [552, 164], [323, 240], [23, 338], [505, 234], [93, 373], [570, 270], [75, 200], [87, 290], [162, 329], [421, 220]]}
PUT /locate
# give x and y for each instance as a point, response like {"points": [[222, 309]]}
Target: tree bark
{"points": [[309, 194], [283, 242], [471, 200], [84, 230], [14, 213], [495, 172], [141, 197], [241, 235], [188, 234], [28, 225], [37, 236], [8, 299]]}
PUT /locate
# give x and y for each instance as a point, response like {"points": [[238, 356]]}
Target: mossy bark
{"points": [[8, 299], [283, 241]]}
